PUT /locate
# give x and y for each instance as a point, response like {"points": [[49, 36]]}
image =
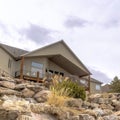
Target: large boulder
{"points": [[42, 96], [72, 102], [8, 114], [27, 93], [116, 105], [7, 91], [7, 84]]}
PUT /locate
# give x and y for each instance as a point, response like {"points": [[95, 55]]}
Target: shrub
{"points": [[115, 85], [70, 89]]}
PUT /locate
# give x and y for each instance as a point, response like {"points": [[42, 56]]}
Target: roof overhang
{"points": [[68, 65]]}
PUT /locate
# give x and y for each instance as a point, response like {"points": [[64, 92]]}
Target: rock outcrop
{"points": [[25, 100]]}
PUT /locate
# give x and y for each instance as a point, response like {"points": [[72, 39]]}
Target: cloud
{"points": [[37, 34], [100, 76], [4, 28], [73, 21], [112, 23]]}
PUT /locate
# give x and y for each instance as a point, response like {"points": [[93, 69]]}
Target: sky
{"points": [[91, 28]]}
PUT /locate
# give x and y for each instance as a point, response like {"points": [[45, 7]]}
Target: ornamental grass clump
{"points": [[64, 90]]}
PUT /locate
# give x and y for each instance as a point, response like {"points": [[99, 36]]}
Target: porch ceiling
{"points": [[67, 65]]}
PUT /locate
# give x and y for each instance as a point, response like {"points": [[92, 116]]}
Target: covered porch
{"points": [[75, 72]]}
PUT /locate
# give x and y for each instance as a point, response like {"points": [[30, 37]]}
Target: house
{"points": [[95, 85], [56, 58], [106, 88]]}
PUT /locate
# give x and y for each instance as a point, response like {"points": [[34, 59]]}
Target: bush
{"points": [[70, 89], [115, 85]]}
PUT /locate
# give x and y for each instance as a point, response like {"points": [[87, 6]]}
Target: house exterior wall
{"points": [[57, 49], [54, 67], [47, 64], [93, 88], [5, 60]]}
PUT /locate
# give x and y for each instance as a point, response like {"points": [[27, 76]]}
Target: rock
{"points": [[21, 106], [6, 91], [91, 113], [101, 101], [43, 116], [75, 118], [93, 105], [42, 96], [86, 104], [27, 93], [94, 98], [8, 115], [73, 103], [31, 100], [106, 106], [7, 84], [20, 87], [52, 110], [25, 117], [111, 117], [100, 118], [116, 104], [86, 117], [117, 113], [99, 112], [36, 87], [7, 79]]}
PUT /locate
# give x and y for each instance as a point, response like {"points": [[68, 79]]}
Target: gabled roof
{"points": [[14, 52], [59, 48]]}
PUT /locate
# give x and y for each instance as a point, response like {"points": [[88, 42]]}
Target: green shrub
{"points": [[69, 88], [115, 85]]}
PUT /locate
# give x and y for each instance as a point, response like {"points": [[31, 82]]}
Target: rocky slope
{"points": [[25, 100]]}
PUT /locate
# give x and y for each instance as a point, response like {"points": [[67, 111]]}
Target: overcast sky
{"points": [[91, 28]]}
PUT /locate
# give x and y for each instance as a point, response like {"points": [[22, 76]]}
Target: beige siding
{"points": [[47, 64], [56, 49], [93, 87], [4, 62], [28, 63]]}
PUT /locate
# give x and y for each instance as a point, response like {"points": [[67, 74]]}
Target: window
{"points": [[98, 87], [61, 73], [56, 72], [82, 81], [36, 67], [51, 71]]}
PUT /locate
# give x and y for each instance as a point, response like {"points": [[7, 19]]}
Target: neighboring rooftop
{"points": [[13, 51], [96, 81]]}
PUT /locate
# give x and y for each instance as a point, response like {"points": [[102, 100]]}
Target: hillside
{"points": [[25, 100]]}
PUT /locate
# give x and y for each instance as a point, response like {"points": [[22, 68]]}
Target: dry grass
{"points": [[57, 100]]}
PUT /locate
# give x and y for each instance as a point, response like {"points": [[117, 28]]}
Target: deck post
{"points": [[21, 68], [38, 74], [89, 83]]}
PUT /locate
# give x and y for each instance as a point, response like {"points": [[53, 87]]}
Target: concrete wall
{"points": [[4, 59]]}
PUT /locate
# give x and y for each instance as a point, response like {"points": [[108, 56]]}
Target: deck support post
{"points": [[38, 74], [89, 83], [21, 68]]}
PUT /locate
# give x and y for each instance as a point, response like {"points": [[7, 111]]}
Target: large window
{"points": [[37, 67], [98, 87]]}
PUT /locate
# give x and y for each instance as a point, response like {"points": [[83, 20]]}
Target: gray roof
{"points": [[96, 81], [14, 52]]}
